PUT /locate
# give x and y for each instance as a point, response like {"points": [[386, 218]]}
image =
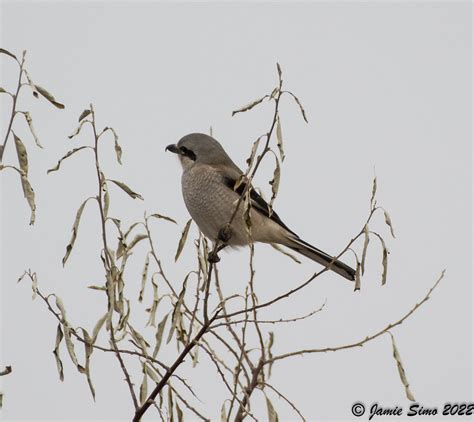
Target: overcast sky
{"points": [[386, 86]]}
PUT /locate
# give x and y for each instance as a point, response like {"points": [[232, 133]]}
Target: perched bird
{"points": [[208, 185]]}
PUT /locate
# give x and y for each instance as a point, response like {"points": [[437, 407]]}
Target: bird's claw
{"points": [[213, 258], [225, 233]]}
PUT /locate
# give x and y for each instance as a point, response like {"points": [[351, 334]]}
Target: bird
{"points": [[212, 186]]}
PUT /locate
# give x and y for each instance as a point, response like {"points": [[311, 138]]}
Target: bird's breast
{"points": [[210, 203]]}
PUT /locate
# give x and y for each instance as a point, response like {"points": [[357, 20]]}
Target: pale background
{"points": [[385, 85]]}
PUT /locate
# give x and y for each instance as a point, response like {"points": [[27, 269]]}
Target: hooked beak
{"points": [[173, 148]]}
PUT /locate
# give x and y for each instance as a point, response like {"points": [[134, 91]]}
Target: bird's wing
{"points": [[258, 203]]}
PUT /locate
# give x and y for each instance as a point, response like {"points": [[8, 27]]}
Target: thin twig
{"points": [[270, 321], [365, 340], [13, 112], [309, 280], [107, 257], [282, 396], [179, 360], [248, 392]]}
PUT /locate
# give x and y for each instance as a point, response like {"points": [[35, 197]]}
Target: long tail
{"points": [[321, 257]]}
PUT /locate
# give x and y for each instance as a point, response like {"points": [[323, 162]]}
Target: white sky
{"points": [[384, 85]]}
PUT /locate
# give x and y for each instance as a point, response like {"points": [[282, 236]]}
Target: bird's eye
{"points": [[188, 153]]}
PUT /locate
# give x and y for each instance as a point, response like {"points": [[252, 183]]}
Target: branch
{"points": [[367, 339], [270, 321], [13, 112], [108, 263], [307, 282], [286, 399], [151, 398], [248, 391]]}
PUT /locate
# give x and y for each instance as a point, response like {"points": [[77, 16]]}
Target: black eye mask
{"points": [[188, 153]]}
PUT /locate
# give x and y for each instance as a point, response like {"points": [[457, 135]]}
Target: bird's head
{"points": [[199, 148]]}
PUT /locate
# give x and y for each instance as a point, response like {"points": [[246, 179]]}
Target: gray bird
{"points": [[208, 181]]}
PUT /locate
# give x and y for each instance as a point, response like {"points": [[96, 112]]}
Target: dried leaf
{"points": [[303, 113], [30, 198], [159, 335], [126, 189], [49, 97], [117, 147], [62, 309], [34, 285], [163, 217], [249, 161], [21, 154], [121, 247], [401, 370], [28, 191], [124, 315], [68, 154], [98, 326], [274, 93], [279, 71], [179, 412], [127, 233], [182, 241], [3, 51], [106, 200], [170, 404], [84, 114], [30, 83], [272, 414], [384, 258], [384, 261], [136, 239], [271, 340], [388, 221], [144, 277], [78, 129], [144, 387], [151, 373], [223, 413], [280, 139], [374, 191], [364, 250], [88, 352], [247, 215], [384, 264], [195, 356], [357, 277], [139, 339], [249, 106], [275, 183], [75, 228], [176, 316], [154, 306], [59, 364], [29, 120], [70, 344]]}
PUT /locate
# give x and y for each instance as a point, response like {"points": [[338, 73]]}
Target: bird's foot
{"points": [[213, 257], [225, 234]]}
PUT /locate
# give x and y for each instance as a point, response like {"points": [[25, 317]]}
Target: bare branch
{"points": [[367, 339]]}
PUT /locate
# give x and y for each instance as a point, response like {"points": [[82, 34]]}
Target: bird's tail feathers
{"points": [[321, 257]]}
